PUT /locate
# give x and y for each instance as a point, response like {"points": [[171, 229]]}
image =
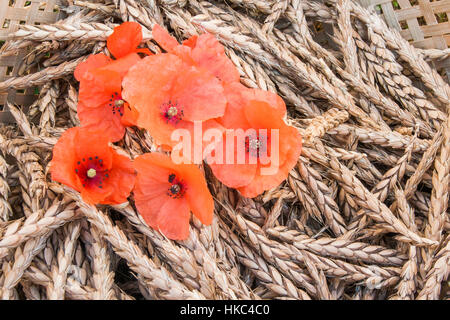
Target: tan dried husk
{"points": [[363, 215]]}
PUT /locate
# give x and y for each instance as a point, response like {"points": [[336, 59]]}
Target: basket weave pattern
{"points": [[14, 13], [423, 22]]}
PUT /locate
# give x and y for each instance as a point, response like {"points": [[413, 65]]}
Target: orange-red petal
{"points": [[98, 86], [122, 65], [209, 54], [164, 39], [274, 100], [155, 166], [125, 39], [103, 120], [159, 210], [90, 143], [199, 94], [191, 42], [121, 179], [130, 115], [163, 79], [232, 172], [62, 166], [236, 96], [261, 115], [200, 200], [173, 219], [92, 62], [150, 191], [78, 146]]}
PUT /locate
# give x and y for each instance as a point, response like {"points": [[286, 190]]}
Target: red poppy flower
{"points": [[166, 193], [169, 94], [203, 51], [239, 95], [258, 168], [100, 101], [83, 160]]}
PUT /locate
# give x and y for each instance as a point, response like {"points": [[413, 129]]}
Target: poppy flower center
{"points": [[255, 145], [91, 172], [116, 103], [177, 188], [171, 112]]}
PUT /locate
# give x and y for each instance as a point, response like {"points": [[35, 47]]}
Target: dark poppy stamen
{"points": [[91, 171], [254, 146], [171, 112], [117, 104], [177, 189]]}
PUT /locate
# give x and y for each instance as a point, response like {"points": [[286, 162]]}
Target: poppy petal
{"points": [[62, 166], [197, 194], [125, 39], [199, 94], [130, 116], [98, 86], [261, 115], [92, 143], [274, 100], [122, 65], [149, 208], [164, 39], [209, 54], [103, 120], [92, 62], [236, 96], [191, 42], [149, 193], [173, 219], [148, 82], [146, 87], [120, 179], [232, 174], [289, 151], [155, 166]]}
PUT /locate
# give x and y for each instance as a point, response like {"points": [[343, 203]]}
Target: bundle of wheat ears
{"points": [[363, 215]]}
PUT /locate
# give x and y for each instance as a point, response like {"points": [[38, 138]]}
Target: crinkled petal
{"points": [[122, 65], [173, 219], [234, 116], [62, 166], [198, 196], [210, 55], [125, 39], [92, 62], [103, 120], [164, 39], [231, 171], [120, 179], [191, 42], [260, 115], [199, 94], [155, 166], [130, 115], [98, 86], [91, 143]]}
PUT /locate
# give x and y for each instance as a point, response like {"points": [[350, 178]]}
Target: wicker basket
{"points": [[425, 23], [12, 14]]}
